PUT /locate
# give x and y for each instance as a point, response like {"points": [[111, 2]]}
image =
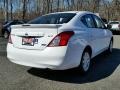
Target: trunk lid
{"points": [[33, 36]]}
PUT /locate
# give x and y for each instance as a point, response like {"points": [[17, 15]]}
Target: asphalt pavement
{"points": [[104, 74]]}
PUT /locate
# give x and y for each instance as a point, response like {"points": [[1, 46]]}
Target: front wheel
{"points": [[85, 62]]}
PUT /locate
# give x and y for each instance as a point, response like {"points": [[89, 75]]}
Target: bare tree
{"points": [[11, 9], [27, 9], [24, 8], [6, 9]]}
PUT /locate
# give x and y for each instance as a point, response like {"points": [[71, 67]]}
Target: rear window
{"points": [[53, 19], [114, 23]]}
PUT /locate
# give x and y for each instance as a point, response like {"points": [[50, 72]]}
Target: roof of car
{"points": [[77, 12], [114, 21]]}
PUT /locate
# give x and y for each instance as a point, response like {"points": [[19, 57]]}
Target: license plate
{"points": [[28, 41]]}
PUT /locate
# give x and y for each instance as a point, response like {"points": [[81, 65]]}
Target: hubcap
{"points": [[86, 61]]}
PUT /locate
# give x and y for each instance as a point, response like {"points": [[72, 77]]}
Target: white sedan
{"points": [[115, 25], [59, 41]]}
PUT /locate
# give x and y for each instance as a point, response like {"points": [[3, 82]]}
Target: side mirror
{"points": [[109, 26]]}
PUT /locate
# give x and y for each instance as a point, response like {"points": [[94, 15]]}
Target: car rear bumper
{"points": [[51, 57]]}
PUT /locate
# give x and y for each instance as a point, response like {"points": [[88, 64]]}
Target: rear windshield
{"points": [[114, 23], [53, 19]]}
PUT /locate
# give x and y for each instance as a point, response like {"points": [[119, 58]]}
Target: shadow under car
{"points": [[103, 66]]}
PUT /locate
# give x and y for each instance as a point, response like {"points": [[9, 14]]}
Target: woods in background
{"points": [[29, 9]]}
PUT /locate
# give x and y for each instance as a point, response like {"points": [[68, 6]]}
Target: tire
{"points": [[110, 47], [6, 34], [85, 62]]}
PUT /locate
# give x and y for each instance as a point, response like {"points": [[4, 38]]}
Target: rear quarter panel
{"points": [[76, 47]]}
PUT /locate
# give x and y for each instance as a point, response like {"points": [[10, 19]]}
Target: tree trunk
{"points": [[6, 9], [24, 9], [11, 9]]}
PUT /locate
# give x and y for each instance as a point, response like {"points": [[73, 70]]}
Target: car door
{"points": [[94, 34], [102, 31]]}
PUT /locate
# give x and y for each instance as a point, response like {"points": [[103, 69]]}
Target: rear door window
{"points": [[88, 21], [59, 18]]}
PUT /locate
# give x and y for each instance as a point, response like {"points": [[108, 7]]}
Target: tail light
{"points": [[10, 39], [61, 39]]}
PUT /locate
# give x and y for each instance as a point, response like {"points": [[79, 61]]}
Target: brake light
{"points": [[10, 39], [61, 39]]}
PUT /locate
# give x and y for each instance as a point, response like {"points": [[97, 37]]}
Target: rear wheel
{"points": [[85, 62]]}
